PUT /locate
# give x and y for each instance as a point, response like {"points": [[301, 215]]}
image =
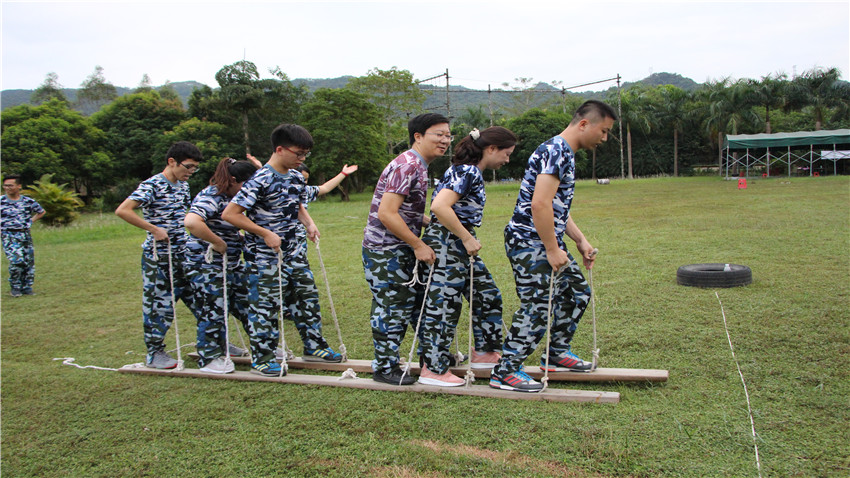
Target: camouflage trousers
{"points": [[395, 306], [571, 294], [19, 251], [208, 288], [157, 311], [300, 303], [450, 284]]}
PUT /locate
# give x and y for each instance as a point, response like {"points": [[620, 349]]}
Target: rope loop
{"points": [[418, 322], [342, 349]]}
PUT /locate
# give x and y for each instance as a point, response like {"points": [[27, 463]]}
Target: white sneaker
{"points": [[219, 365], [236, 351]]}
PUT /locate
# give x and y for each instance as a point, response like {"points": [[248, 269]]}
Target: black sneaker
{"points": [[518, 381], [394, 377]]}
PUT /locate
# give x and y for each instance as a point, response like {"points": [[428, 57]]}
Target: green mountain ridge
{"points": [[461, 98]]}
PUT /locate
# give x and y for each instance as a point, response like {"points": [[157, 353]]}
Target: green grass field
{"points": [[790, 331]]}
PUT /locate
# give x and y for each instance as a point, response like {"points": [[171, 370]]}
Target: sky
{"points": [[480, 43]]}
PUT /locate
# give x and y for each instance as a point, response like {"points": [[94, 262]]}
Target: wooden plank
{"points": [[601, 374], [549, 395]]}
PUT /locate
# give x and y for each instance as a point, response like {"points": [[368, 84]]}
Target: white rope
{"points": [[284, 367], [593, 310], [469, 377], [173, 305], [70, 361], [545, 379], [744, 383], [342, 349], [418, 322], [349, 373]]}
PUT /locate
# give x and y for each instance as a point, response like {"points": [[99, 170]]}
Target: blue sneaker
{"points": [[322, 355], [267, 369], [518, 381], [568, 362]]}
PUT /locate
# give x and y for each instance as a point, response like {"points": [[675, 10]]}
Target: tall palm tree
{"points": [[672, 112], [769, 92], [636, 110], [730, 108], [822, 92]]}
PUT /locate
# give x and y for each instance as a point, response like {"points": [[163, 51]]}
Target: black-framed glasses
{"points": [[297, 154], [190, 167], [447, 136]]}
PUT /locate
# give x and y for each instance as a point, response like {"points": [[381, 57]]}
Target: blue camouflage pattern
{"points": [[532, 274], [450, 285], [271, 200], [15, 223], [209, 204], [164, 205], [157, 309], [395, 305], [553, 157], [468, 181]]}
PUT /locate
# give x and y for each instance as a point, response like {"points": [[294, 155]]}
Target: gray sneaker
{"points": [[160, 359], [219, 365], [236, 351]]}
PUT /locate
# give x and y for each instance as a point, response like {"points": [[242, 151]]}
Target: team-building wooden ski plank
{"points": [[549, 395], [599, 375]]}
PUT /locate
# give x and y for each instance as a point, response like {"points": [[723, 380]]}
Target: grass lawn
{"points": [[790, 330]]}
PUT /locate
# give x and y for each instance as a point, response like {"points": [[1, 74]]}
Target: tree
{"points": [[53, 139], [672, 111], [95, 91], [821, 92], [525, 96], [48, 90], [730, 109], [241, 92], [769, 93], [144, 85], [636, 111], [211, 138], [60, 205], [346, 128], [532, 128], [397, 96], [132, 124]]}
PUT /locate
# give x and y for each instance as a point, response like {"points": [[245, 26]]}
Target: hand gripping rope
{"points": [[342, 349], [412, 283], [209, 258]]}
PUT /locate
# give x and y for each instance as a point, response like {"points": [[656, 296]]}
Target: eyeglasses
{"points": [[190, 167], [10, 185], [298, 155], [447, 136]]}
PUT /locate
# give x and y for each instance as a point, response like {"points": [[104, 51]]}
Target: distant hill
{"points": [[461, 97]]}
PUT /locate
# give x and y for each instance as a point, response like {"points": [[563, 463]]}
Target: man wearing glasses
{"points": [[273, 205], [17, 213], [391, 244], [164, 200]]}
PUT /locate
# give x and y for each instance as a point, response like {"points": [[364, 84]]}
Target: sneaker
{"points": [[518, 381], [569, 362], [267, 369], [394, 377], [161, 360], [484, 360], [15, 293], [236, 351], [448, 379], [322, 355], [219, 365]]}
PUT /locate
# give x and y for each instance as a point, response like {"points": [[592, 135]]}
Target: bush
{"points": [[60, 203]]}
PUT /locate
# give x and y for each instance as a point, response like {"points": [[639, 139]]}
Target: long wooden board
{"points": [[549, 395], [599, 375]]}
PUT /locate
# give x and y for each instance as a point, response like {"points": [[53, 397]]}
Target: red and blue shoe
{"points": [[568, 362], [518, 381]]}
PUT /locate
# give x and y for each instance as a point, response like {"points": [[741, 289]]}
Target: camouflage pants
{"points": [[157, 311], [450, 284], [19, 251], [570, 298], [300, 302], [395, 306], [208, 288]]}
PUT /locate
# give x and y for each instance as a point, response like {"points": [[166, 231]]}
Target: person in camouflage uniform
{"points": [[164, 199], [208, 229], [17, 214], [273, 202], [535, 248], [391, 244], [457, 207]]}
